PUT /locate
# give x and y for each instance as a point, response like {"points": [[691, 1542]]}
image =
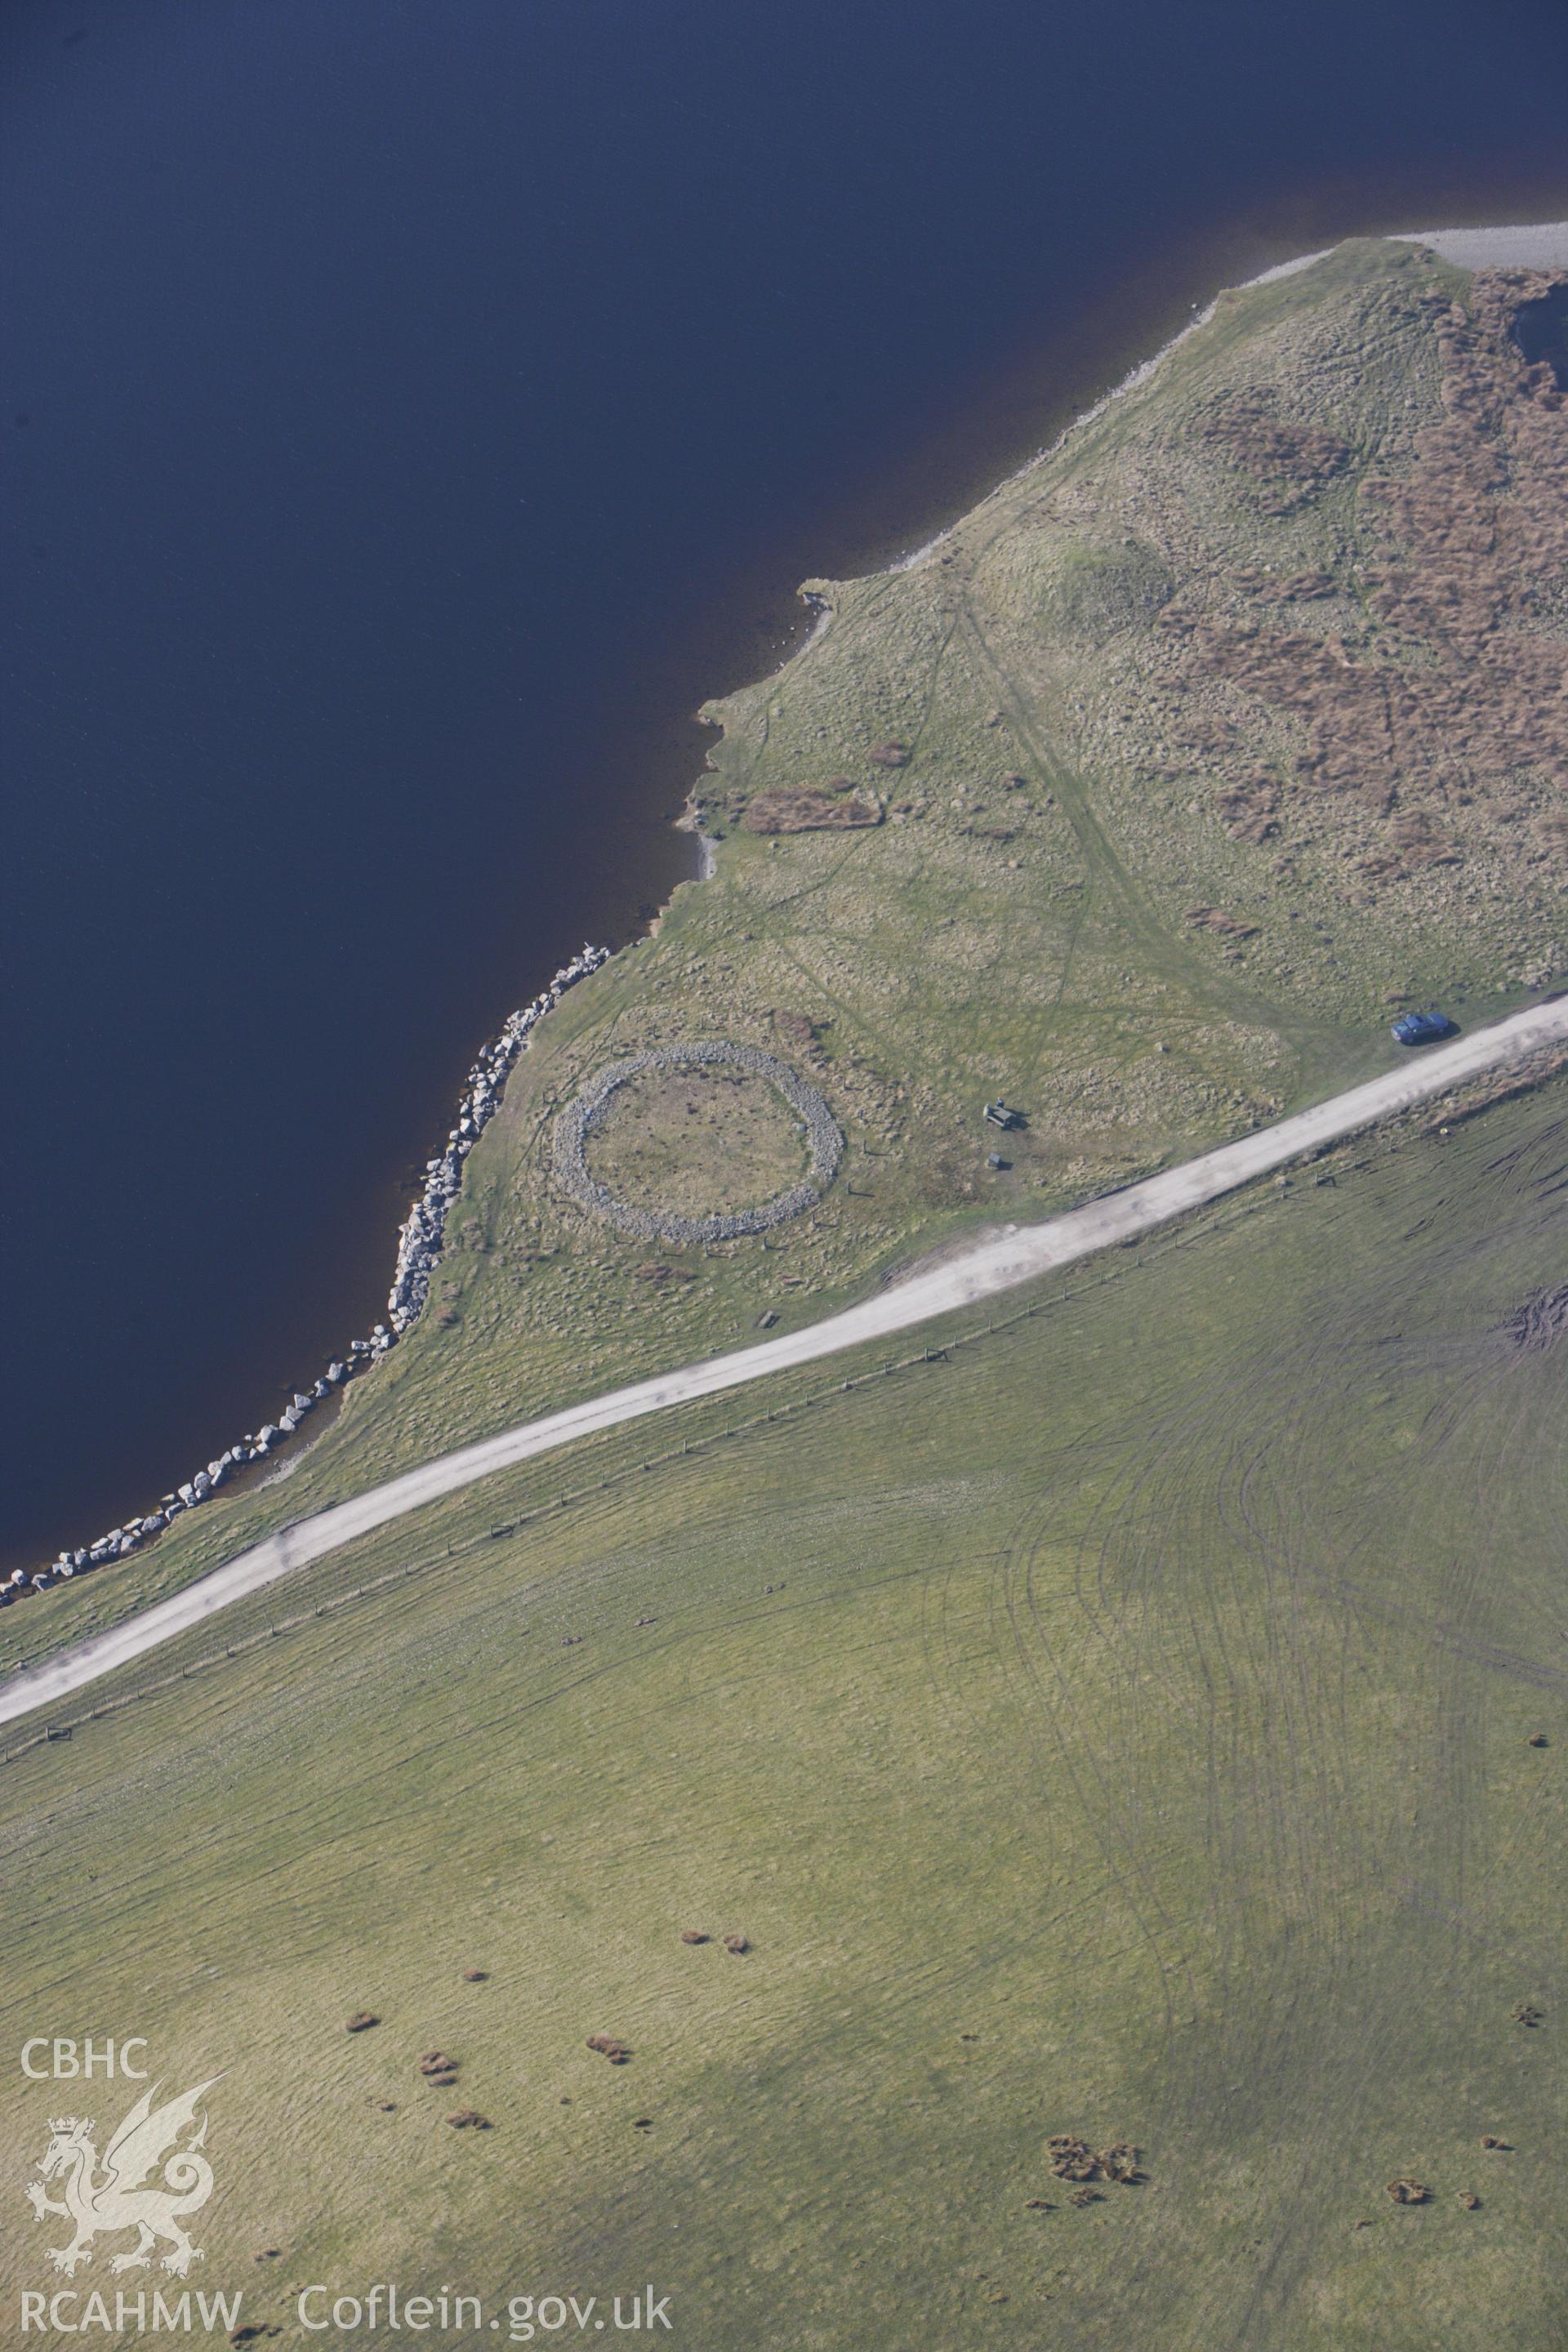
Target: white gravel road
{"points": [[1543, 244], [969, 1275]]}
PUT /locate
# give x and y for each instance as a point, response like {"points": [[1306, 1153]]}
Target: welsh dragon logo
{"points": [[99, 2201]]}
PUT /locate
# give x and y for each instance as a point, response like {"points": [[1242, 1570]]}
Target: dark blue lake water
{"points": [[412, 409]]}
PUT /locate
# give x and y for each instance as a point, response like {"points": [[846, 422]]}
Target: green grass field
{"points": [[1120, 1725], [1022, 921], [1133, 1743], [698, 1141]]}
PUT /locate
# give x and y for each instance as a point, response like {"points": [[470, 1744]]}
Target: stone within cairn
{"points": [[577, 1122]]}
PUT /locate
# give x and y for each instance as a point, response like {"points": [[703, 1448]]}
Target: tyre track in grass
{"points": [[980, 1271], [1468, 1450], [1129, 907], [1046, 1747], [1489, 1472], [1183, 1441], [1455, 1697], [885, 1996], [1238, 1654], [1042, 1675], [1245, 1502], [1236, 1853], [1043, 1668], [887, 2000], [884, 1999], [1284, 2269], [1152, 1489], [1497, 1472], [1264, 1462], [1124, 1581]]}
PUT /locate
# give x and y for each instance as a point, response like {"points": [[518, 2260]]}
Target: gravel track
{"points": [[976, 1274]]}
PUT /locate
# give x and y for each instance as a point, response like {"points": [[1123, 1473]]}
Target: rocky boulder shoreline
{"points": [[419, 1242]]}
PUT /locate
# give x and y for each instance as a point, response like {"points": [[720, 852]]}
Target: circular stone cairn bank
{"points": [[576, 1124]]}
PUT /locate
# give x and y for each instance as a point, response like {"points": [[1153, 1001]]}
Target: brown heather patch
{"points": [[1460, 687], [1290, 461], [809, 811]]}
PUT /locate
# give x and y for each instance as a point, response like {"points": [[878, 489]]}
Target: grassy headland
{"points": [[1121, 1726], [1201, 746]]}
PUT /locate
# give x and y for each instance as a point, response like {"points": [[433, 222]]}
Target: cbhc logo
{"points": [[67, 2059]]}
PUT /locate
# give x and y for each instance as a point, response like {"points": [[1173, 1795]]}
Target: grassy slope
{"points": [[943, 964], [1144, 1691]]}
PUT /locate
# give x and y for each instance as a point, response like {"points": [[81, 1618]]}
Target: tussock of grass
{"points": [[1114, 1730], [1065, 802]]}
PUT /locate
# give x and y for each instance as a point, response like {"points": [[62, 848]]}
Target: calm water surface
{"points": [[412, 411]]}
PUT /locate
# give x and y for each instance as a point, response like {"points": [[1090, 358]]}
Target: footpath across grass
{"points": [[1117, 878], [1118, 1726]]}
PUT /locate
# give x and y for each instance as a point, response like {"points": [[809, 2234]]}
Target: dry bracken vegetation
{"points": [[1209, 740]]}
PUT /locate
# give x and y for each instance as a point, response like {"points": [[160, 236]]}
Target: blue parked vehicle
{"points": [[1424, 1028]]}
